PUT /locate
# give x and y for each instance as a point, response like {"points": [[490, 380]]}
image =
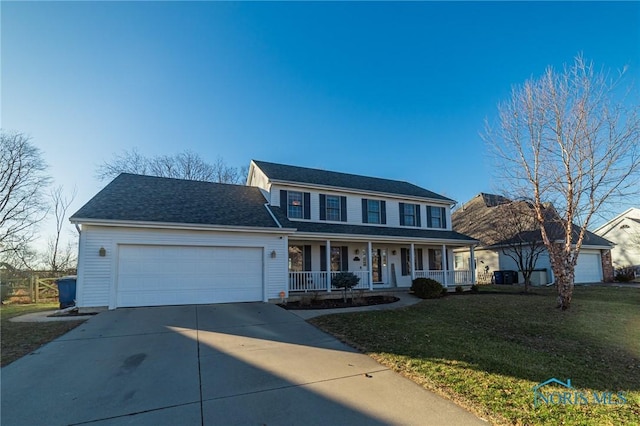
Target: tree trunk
{"points": [[564, 280]]}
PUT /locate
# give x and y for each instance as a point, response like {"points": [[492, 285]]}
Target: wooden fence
{"points": [[31, 289]]}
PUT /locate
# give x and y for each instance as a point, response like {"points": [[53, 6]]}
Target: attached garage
{"points": [[149, 241], [588, 268], [175, 275]]}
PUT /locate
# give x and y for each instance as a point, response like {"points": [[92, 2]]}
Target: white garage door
{"points": [[588, 268], [178, 275]]}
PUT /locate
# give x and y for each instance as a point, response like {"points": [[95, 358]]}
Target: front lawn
{"points": [[20, 338], [487, 351]]}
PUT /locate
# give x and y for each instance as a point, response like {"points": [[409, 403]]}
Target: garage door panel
{"points": [[164, 275], [588, 268]]}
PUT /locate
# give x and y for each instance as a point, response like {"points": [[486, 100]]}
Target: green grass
{"points": [[17, 339], [487, 351]]}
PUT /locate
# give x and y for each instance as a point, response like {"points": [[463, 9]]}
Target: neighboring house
{"points": [[624, 231], [157, 241], [477, 217]]}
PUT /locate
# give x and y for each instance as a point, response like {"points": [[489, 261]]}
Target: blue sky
{"points": [[395, 90]]}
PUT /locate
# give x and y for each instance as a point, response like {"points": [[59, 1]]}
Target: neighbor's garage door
{"points": [[177, 275], [588, 268]]}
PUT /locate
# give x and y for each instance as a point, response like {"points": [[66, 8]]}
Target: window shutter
{"points": [[343, 209], [323, 207], [419, 260], [344, 258], [401, 214], [307, 205], [364, 211], [307, 258], [403, 261], [283, 201], [444, 218], [323, 258], [429, 220], [383, 212], [418, 219]]}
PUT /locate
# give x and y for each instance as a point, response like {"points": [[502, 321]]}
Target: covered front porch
{"points": [[380, 265]]}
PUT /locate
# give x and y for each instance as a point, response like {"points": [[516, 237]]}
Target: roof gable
{"points": [[137, 198], [295, 174]]}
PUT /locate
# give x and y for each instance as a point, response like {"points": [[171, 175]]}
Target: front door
{"points": [[379, 266]]}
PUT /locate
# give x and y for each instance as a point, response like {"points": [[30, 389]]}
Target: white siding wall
{"points": [[354, 206], [97, 275], [259, 179], [626, 252]]}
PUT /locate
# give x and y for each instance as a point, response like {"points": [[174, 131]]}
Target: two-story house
{"points": [[156, 241]]}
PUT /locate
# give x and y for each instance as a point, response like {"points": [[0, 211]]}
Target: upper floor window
{"points": [[374, 211], [333, 207], [296, 203], [409, 214], [436, 217]]}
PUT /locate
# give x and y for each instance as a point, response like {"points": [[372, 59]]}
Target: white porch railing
{"points": [[453, 277], [317, 280]]}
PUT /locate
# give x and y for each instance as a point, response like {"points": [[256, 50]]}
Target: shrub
{"points": [[625, 274], [426, 288], [459, 289], [345, 281], [475, 288]]}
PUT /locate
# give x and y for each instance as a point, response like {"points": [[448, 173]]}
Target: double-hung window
{"points": [[373, 211], [436, 217], [409, 214], [294, 204], [333, 207]]}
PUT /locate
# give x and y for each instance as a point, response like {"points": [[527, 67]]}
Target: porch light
{"points": [[357, 251], [273, 254], [393, 252], [102, 252]]}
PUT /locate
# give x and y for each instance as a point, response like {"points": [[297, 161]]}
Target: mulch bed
{"points": [[339, 303]]}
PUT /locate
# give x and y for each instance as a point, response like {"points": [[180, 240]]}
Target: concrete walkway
{"points": [[249, 363]]}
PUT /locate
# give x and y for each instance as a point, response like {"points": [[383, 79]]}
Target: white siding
{"points": [[97, 275], [259, 179], [354, 206]]}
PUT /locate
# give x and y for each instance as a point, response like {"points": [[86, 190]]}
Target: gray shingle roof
{"points": [[324, 228], [478, 216], [282, 172], [153, 199]]}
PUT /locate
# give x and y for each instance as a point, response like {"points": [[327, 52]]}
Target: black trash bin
{"points": [[498, 277], [67, 291], [509, 277]]}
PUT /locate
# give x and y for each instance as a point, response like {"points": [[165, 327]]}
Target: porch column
{"points": [[472, 266], [369, 265], [445, 267], [412, 261], [328, 262]]}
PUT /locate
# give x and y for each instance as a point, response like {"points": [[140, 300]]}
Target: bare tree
{"points": [[185, 165], [58, 257], [517, 234], [569, 138], [23, 179]]}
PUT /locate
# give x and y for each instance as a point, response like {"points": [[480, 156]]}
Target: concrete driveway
{"points": [[248, 363]]}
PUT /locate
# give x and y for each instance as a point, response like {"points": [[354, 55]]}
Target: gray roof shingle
{"points": [[282, 172], [138, 198], [478, 216]]}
